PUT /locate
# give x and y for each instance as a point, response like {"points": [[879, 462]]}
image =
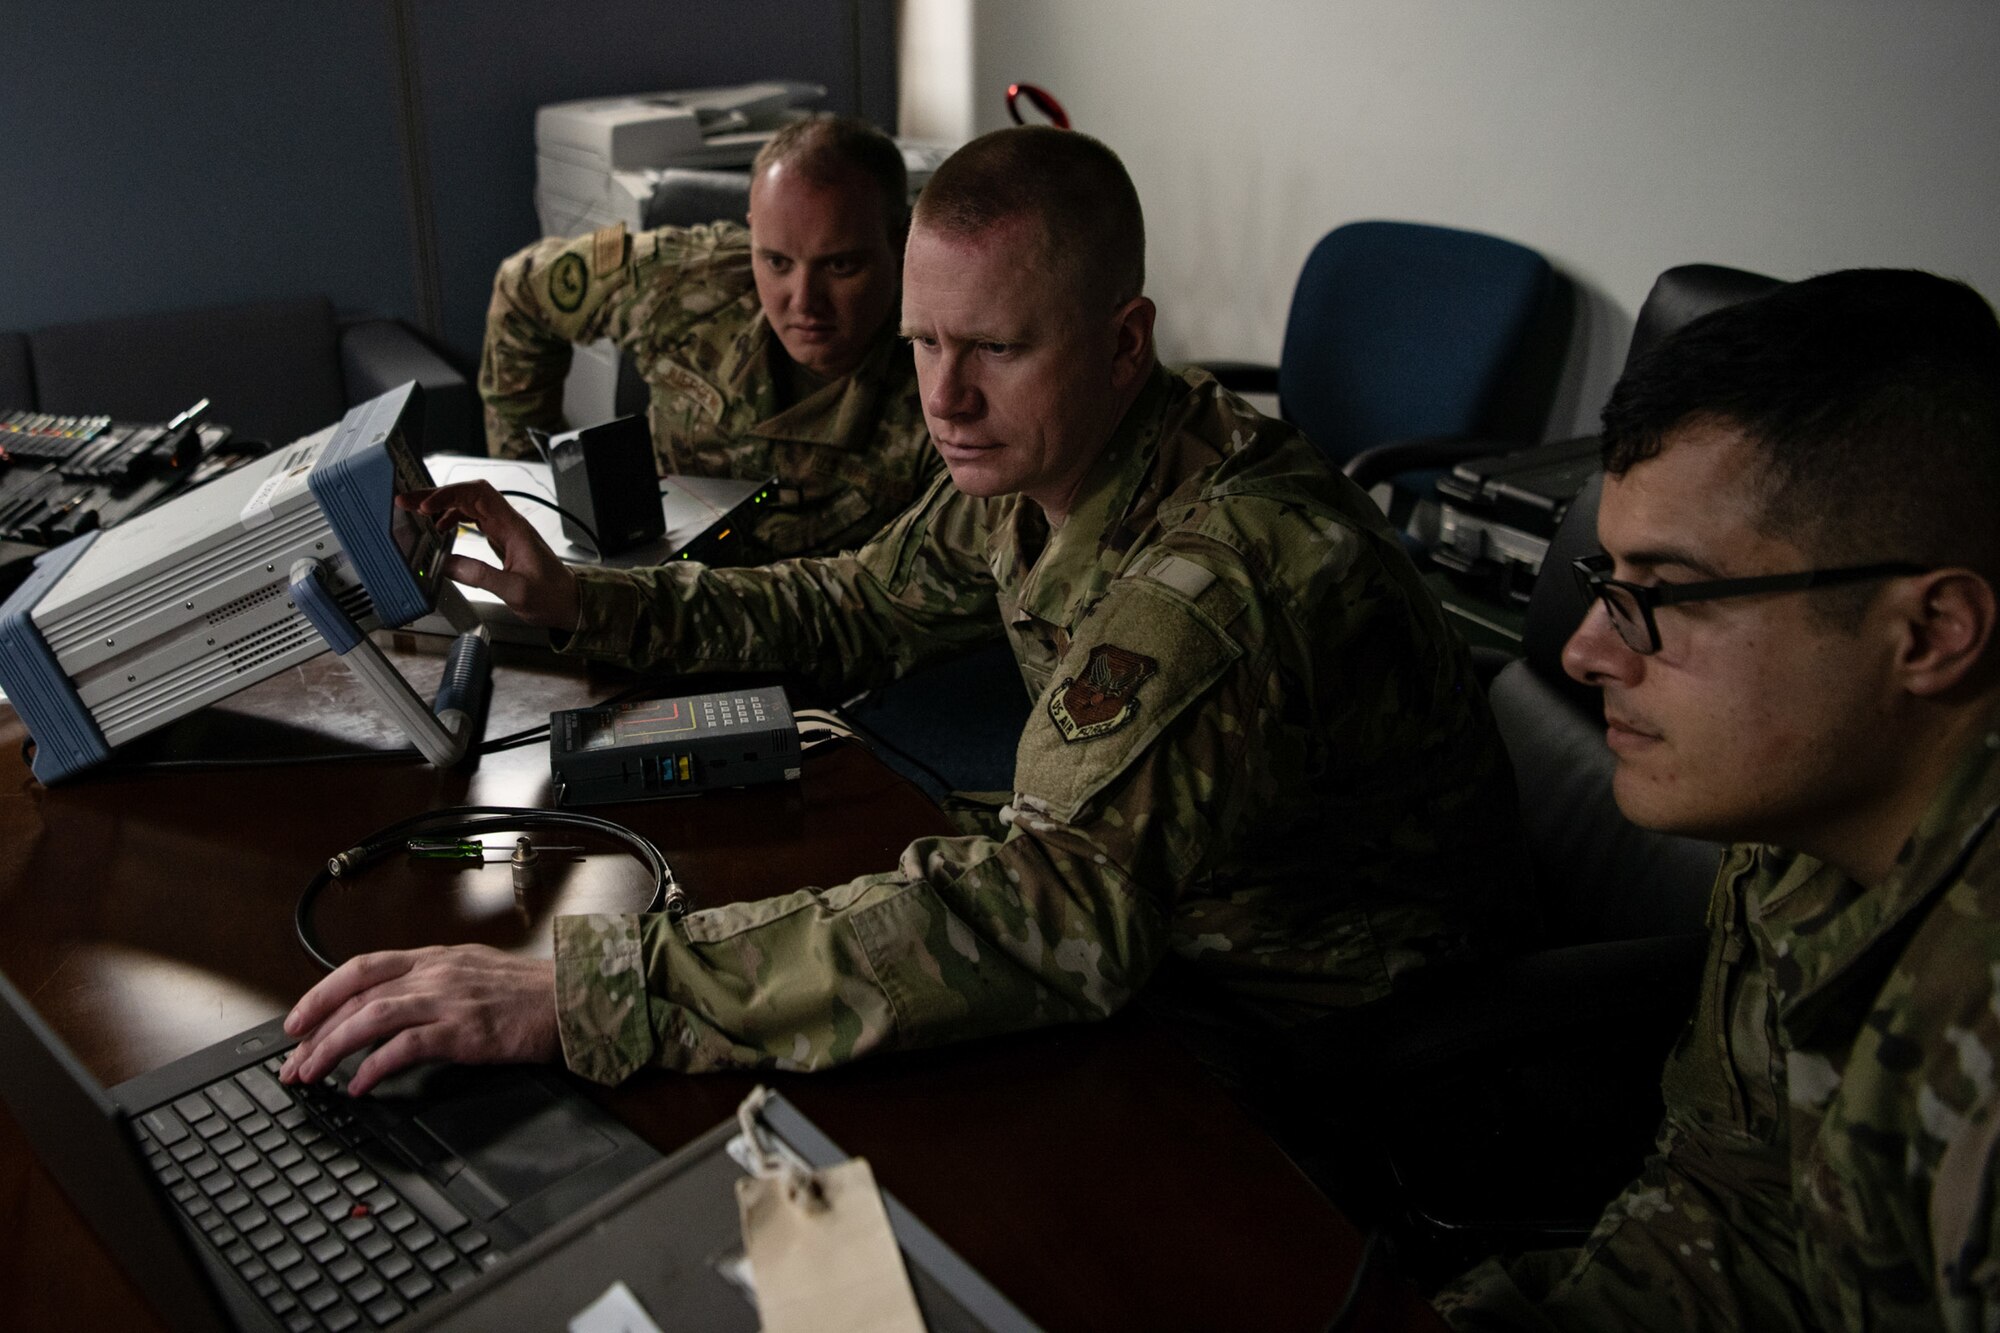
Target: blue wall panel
{"points": [[160, 157]]}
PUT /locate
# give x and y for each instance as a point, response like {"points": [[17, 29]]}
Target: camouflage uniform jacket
{"points": [[682, 303], [1256, 745], [1828, 1154]]}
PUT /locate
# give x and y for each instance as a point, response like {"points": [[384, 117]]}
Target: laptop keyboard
{"points": [[301, 1196]]}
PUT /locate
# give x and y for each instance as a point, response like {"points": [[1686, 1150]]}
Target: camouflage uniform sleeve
{"points": [[562, 291], [1127, 788], [919, 591]]}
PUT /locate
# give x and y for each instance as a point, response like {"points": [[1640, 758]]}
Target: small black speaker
{"points": [[604, 477]]}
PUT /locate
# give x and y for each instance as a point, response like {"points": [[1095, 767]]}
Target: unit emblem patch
{"points": [[1105, 697], [569, 279]]}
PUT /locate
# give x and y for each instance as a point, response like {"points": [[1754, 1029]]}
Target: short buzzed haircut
{"points": [[1873, 396], [1093, 234], [825, 149]]}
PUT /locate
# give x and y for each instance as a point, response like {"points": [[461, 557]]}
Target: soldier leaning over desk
{"points": [[1257, 747], [769, 352], [1827, 1159]]}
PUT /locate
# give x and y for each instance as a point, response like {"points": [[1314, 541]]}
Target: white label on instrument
{"points": [[826, 1265]]}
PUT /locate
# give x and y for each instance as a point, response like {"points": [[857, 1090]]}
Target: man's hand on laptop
{"points": [[469, 1004], [531, 580]]}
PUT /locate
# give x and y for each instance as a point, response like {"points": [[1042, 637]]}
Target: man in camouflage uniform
{"points": [[1827, 1157], [1257, 748], [770, 352]]}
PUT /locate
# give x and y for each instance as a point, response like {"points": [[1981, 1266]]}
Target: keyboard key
{"points": [[457, 1276], [242, 1159], [212, 1127], [172, 1176], [276, 1195], [265, 1090], [287, 1256], [253, 1125], [318, 1298], [267, 1237], [187, 1149], [255, 1271], [472, 1242], [393, 1265], [235, 1201], [416, 1285], [197, 1206], [185, 1193], [231, 1101], [274, 1140], [365, 1289], [217, 1184], [302, 1322], [267, 1287], [343, 1166], [399, 1219], [290, 1211], [194, 1108], [288, 1155], [419, 1238], [250, 1219], [336, 1208], [257, 1177], [239, 1254], [363, 1183], [381, 1201], [201, 1167], [280, 1300], [304, 1173], [226, 1143], [375, 1246], [354, 1228], [327, 1248], [300, 1276], [308, 1231], [345, 1269], [320, 1191], [340, 1318], [293, 1117], [384, 1310], [324, 1149], [166, 1128], [437, 1258]]}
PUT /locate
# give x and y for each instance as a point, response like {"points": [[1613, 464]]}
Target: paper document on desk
{"points": [[693, 506]]}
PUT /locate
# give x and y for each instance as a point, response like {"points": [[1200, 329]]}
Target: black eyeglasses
{"points": [[1631, 604]]}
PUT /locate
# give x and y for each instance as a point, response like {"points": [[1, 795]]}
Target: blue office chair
{"points": [[1410, 347]]}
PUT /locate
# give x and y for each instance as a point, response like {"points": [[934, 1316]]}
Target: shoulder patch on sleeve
{"points": [[1145, 656], [1184, 576], [607, 249]]}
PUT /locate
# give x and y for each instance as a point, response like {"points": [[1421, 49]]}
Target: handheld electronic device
{"points": [[672, 747]]}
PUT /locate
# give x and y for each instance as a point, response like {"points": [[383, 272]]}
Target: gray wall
{"points": [[1619, 137], [158, 157]]}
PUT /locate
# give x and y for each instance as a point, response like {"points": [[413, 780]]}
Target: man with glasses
{"points": [[1793, 627]]}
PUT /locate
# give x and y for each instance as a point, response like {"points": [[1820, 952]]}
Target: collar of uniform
{"points": [[1819, 924], [843, 411], [1076, 564]]}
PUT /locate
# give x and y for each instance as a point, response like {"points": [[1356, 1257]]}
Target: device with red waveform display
{"points": [[671, 747]]}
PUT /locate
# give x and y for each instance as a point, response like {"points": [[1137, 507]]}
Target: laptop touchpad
{"points": [[518, 1138]]}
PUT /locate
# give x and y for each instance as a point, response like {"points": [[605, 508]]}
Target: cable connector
{"points": [[349, 861]]}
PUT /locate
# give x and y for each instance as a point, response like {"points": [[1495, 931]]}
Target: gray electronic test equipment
{"points": [[120, 632]]}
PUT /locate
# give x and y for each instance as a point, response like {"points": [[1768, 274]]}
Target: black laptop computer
{"points": [[236, 1202]]}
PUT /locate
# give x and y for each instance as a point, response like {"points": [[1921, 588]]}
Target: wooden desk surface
{"points": [[1094, 1174]]}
